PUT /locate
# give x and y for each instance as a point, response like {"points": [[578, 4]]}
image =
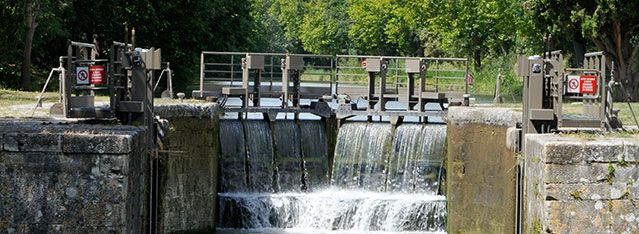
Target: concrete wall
{"points": [[582, 183], [189, 169], [481, 172], [71, 178]]}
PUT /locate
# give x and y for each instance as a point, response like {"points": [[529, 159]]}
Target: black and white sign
{"points": [[82, 75]]}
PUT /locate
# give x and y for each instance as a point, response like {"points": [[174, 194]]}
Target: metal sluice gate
{"points": [[378, 80], [547, 84]]}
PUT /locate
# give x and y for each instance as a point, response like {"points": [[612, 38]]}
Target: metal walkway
{"points": [[412, 81]]}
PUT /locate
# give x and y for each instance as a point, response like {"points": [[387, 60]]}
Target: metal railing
{"points": [[340, 72], [443, 75], [224, 69]]}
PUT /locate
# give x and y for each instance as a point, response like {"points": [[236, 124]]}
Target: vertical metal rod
{"points": [[270, 87], [436, 75], [466, 78], [331, 76], [397, 75], [336, 75], [201, 74], [232, 58]]}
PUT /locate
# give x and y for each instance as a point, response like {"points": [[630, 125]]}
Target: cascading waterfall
{"points": [[381, 182]]}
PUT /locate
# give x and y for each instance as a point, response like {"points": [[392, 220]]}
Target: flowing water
{"points": [[382, 182]]}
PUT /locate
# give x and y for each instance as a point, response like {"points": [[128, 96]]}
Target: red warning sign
{"points": [[581, 84], [97, 74], [588, 84]]}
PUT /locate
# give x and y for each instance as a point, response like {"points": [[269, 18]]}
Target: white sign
{"points": [[82, 75], [581, 84], [573, 84]]}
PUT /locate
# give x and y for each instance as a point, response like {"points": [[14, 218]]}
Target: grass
{"points": [[20, 103], [577, 109]]}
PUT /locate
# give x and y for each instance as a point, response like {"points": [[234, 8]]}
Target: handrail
{"points": [[82, 44], [220, 68]]}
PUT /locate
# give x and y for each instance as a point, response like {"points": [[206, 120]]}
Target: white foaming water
{"points": [[382, 182], [333, 209]]}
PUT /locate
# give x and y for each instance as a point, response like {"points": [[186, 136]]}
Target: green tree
{"points": [[290, 15], [369, 20], [325, 27], [474, 27], [611, 25], [11, 30]]}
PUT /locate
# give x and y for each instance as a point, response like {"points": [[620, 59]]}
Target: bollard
{"points": [[181, 96], [466, 100]]}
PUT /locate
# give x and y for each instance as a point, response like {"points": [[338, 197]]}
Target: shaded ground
{"points": [[21, 104]]}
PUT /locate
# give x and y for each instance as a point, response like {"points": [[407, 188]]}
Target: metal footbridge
{"points": [[409, 82]]}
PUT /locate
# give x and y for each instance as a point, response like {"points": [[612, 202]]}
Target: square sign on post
{"points": [[581, 84], [82, 75], [573, 84]]}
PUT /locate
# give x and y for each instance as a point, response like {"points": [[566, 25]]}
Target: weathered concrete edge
{"points": [[483, 115], [67, 138], [207, 110], [563, 150]]}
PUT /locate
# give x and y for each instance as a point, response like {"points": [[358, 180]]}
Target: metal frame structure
{"points": [[545, 90], [82, 105], [451, 80], [222, 69], [129, 73], [447, 78]]}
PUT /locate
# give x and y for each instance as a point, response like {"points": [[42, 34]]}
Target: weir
{"points": [[382, 179]]}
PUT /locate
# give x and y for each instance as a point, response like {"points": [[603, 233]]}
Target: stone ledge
{"points": [[34, 136], [207, 110], [606, 191], [562, 149], [101, 144], [483, 115], [588, 174], [41, 142]]}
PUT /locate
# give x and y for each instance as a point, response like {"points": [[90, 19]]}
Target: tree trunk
{"points": [[30, 25], [477, 59], [579, 49], [624, 75], [476, 54], [616, 44]]}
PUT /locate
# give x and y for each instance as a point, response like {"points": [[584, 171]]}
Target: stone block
{"points": [[484, 115], [207, 110], [630, 151], [624, 216], [603, 150], [34, 142], [563, 152], [585, 216], [10, 143], [100, 144]]}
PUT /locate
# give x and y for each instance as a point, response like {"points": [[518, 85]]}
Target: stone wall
{"points": [[582, 183], [71, 178], [481, 170], [188, 169]]}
